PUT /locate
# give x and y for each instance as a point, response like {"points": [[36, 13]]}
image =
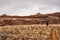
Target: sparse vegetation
{"points": [[26, 32]]}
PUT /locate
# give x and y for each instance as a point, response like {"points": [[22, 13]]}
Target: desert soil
{"points": [[28, 32]]}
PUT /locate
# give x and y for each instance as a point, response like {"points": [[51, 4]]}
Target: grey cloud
{"points": [[7, 2], [53, 2], [23, 7]]}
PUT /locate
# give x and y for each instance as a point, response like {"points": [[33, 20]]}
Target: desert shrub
{"points": [[24, 32]]}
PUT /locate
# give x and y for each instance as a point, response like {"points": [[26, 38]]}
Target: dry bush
{"points": [[25, 32]]}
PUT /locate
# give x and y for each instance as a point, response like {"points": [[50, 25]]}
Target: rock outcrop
{"points": [[33, 19]]}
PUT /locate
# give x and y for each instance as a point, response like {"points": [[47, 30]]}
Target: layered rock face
{"points": [[33, 19]]}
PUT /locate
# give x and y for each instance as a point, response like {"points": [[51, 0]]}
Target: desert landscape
{"points": [[28, 32], [37, 18], [29, 19], [32, 27]]}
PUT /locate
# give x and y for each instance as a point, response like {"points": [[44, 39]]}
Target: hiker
{"points": [[47, 20], [47, 23]]}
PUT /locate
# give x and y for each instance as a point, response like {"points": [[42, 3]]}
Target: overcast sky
{"points": [[28, 7]]}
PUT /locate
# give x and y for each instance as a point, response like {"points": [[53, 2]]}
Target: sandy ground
{"points": [[28, 32]]}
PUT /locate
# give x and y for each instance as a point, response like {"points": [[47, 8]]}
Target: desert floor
{"points": [[28, 32]]}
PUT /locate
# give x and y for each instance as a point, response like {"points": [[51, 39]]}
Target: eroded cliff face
{"points": [[33, 19]]}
